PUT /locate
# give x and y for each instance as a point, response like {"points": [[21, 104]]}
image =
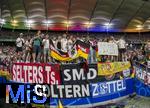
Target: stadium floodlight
{"points": [[47, 22], [108, 25], [2, 21], [29, 23], [14, 23], [139, 27], [88, 24], [67, 23]]}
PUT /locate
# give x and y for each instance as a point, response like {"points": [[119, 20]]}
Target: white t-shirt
{"points": [[64, 44], [55, 43], [27, 44], [148, 64], [70, 44], [19, 42], [46, 43], [148, 46], [121, 44]]}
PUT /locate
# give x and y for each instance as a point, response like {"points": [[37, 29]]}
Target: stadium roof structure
{"points": [[76, 15]]}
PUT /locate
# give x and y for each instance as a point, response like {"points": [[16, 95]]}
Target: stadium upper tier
{"points": [[76, 15]]}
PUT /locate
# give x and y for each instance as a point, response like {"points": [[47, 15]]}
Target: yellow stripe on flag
{"points": [[82, 54], [58, 57], [61, 58], [60, 105], [5, 74], [133, 74]]}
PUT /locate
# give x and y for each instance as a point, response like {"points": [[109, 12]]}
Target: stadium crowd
{"points": [[37, 49]]}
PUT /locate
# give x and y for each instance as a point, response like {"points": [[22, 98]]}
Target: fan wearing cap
{"points": [[19, 46]]}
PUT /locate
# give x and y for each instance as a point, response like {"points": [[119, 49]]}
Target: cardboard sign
{"points": [[105, 48]]}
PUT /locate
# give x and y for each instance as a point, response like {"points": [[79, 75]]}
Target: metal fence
{"points": [[142, 72]]}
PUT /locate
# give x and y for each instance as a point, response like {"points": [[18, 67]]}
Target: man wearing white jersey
{"points": [[122, 48], [19, 45], [46, 46], [64, 43]]}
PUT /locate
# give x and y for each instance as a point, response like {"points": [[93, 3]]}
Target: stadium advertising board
{"points": [[36, 73], [78, 73], [89, 95], [141, 89], [68, 73], [73, 84]]}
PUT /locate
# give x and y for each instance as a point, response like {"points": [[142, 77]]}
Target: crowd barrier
{"points": [[84, 85], [142, 72], [142, 79]]}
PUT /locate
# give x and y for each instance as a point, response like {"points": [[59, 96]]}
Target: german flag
{"points": [[83, 49], [62, 56], [59, 55], [80, 49]]}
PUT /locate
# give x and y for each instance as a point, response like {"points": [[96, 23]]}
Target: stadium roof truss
{"points": [[77, 15]]}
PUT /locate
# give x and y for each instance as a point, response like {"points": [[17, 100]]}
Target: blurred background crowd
{"points": [[35, 47]]}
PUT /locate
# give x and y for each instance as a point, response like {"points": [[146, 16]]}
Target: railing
{"points": [[142, 72], [7, 40]]}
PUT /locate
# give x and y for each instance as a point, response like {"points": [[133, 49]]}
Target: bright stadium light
{"points": [[29, 23], [14, 22], [88, 24], [108, 25], [2, 21], [139, 27], [67, 23], [47, 22]]}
